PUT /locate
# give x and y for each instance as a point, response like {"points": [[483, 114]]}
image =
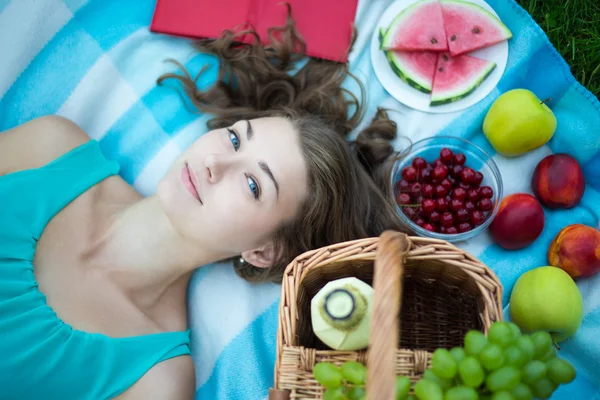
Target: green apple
{"points": [[518, 122], [547, 299]]}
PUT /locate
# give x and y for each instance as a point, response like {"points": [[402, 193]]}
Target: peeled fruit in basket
{"points": [[341, 314], [519, 221], [547, 299], [518, 122], [558, 181], [576, 249]]}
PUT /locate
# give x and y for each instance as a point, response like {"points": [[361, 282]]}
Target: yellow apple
{"points": [[518, 122]]}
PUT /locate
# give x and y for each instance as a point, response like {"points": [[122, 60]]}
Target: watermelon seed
{"points": [[453, 38], [476, 30], [441, 69], [434, 41], [445, 57]]}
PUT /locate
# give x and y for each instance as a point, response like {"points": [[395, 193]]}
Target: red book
{"points": [[325, 25]]}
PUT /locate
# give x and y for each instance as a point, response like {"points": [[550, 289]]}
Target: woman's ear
{"points": [[262, 257]]}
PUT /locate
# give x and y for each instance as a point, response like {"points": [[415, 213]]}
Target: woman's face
{"points": [[233, 187]]}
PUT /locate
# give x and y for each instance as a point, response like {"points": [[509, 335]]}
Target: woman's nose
{"points": [[217, 165]]}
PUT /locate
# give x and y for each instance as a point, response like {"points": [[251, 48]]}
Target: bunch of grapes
{"points": [[505, 365]]}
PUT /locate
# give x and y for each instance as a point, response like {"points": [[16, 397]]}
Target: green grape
{"points": [[543, 388], [542, 341], [549, 355], [500, 334], [492, 357], [475, 341], [402, 387], [525, 344], [471, 372], [514, 329], [533, 371], [328, 375], [431, 376], [428, 390], [334, 394], [354, 372], [443, 364], [560, 371], [461, 393], [357, 393], [458, 353], [521, 392], [514, 356], [505, 378], [502, 396]]}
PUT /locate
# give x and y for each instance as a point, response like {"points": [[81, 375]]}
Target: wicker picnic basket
{"points": [[437, 291]]}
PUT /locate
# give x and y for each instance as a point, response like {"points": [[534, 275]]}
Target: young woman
{"points": [[93, 277]]}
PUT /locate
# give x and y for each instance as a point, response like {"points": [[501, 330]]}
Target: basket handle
{"points": [[385, 325]]}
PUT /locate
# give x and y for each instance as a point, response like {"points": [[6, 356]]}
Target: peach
{"points": [[558, 181], [576, 249], [519, 221]]}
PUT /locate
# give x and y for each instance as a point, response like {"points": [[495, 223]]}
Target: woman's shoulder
{"points": [[38, 142]]}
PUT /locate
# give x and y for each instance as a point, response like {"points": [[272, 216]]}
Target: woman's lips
{"points": [[189, 181]]}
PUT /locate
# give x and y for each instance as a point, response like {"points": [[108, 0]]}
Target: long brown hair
{"points": [[350, 196]]}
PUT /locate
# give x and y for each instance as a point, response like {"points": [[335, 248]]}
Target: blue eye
{"points": [[235, 140], [253, 187]]}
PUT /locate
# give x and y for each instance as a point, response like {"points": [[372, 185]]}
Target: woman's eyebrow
{"points": [[249, 131]]}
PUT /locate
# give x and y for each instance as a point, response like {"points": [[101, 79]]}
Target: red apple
{"points": [[558, 181], [519, 221]]}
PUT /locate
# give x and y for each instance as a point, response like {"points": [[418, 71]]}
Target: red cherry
{"points": [[440, 191], [409, 174], [447, 184], [485, 204], [473, 195], [462, 214], [451, 179], [486, 192], [451, 230], [403, 186], [425, 175], [467, 175], [448, 199], [459, 159], [459, 193], [456, 204], [477, 217], [469, 205], [456, 170], [410, 212], [429, 227], [434, 216], [440, 173], [442, 229], [419, 221], [419, 163], [447, 219], [464, 227], [427, 190], [428, 205], [465, 186], [437, 163], [446, 156], [441, 204], [403, 198], [415, 189], [478, 178]]}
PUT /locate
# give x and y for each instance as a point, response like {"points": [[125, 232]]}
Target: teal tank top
{"points": [[42, 357]]}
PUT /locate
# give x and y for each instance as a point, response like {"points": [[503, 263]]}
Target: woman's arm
{"points": [[38, 142]]}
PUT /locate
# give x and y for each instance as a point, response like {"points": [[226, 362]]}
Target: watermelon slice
{"points": [[418, 27], [457, 77], [470, 27], [416, 68]]}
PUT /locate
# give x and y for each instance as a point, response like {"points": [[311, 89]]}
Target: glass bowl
{"points": [[477, 159]]}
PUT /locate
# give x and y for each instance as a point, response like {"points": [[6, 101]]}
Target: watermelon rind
{"points": [[397, 22], [462, 92], [398, 68], [492, 19]]}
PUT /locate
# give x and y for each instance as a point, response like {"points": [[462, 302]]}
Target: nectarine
{"points": [[558, 181], [519, 221], [576, 249]]}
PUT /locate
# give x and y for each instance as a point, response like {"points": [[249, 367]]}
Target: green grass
{"points": [[573, 26]]}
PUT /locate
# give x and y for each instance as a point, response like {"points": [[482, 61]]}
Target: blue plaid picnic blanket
{"points": [[95, 62]]}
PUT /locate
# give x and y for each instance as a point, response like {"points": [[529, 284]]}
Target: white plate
{"points": [[410, 96]]}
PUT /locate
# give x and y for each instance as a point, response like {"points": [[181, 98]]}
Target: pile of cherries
{"points": [[444, 196]]}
